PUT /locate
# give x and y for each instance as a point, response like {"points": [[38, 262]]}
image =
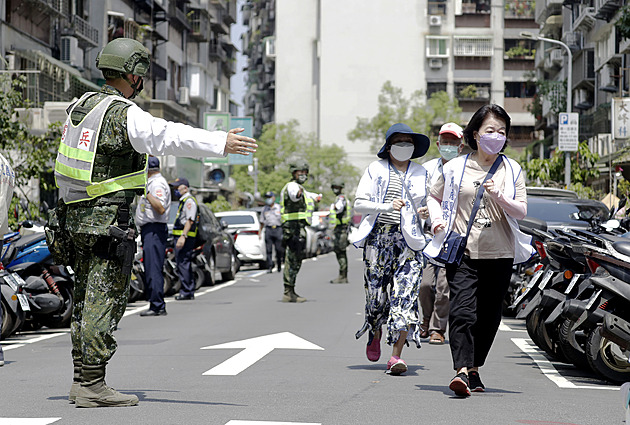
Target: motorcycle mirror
{"points": [[611, 224], [27, 223]]}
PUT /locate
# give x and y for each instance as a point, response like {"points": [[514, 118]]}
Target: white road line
{"points": [[258, 273], [233, 422], [550, 372], [28, 421], [197, 294], [506, 328], [11, 345]]}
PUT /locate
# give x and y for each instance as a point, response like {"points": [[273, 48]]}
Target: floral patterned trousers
{"points": [[392, 280]]}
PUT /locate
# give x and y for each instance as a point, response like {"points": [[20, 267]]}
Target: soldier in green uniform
{"points": [[295, 217], [340, 218], [101, 166]]}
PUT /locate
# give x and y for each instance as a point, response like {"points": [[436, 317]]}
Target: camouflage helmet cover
{"points": [[337, 182], [298, 166], [124, 55]]}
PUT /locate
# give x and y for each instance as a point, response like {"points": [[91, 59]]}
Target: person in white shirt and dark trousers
{"points": [[151, 218]]}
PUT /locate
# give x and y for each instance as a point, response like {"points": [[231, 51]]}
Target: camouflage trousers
{"points": [[392, 280], [100, 298], [293, 255], [340, 243]]}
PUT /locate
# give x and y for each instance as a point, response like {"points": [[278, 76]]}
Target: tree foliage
{"points": [[281, 144], [30, 156], [394, 107], [623, 24], [550, 172]]}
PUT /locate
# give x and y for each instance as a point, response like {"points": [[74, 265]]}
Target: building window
{"points": [[472, 46], [437, 47], [434, 88], [520, 89]]}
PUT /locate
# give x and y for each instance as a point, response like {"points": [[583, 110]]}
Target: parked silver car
{"points": [[249, 240]]}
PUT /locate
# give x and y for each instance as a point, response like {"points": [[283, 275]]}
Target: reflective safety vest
{"points": [[343, 217], [293, 210], [310, 208], [178, 227], [77, 151]]}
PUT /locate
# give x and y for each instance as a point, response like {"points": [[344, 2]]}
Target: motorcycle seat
{"points": [[622, 247], [27, 240]]}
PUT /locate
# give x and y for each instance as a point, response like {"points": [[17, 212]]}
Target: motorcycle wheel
{"points": [[62, 318], [234, 266], [607, 358], [531, 323], [198, 275], [549, 340], [578, 358], [136, 286], [7, 321], [168, 285]]}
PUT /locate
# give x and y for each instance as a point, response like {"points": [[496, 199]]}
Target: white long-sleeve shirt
{"points": [[156, 136]]}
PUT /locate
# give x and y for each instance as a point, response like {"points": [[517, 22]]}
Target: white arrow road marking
{"points": [[255, 349], [28, 421], [268, 423], [550, 372]]}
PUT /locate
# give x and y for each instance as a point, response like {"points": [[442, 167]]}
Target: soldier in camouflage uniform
{"points": [[340, 217], [294, 220], [101, 166]]}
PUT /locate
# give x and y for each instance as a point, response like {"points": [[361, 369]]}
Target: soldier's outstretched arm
{"points": [[157, 136]]}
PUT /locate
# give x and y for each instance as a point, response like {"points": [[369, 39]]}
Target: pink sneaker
{"points": [[373, 349], [396, 366]]}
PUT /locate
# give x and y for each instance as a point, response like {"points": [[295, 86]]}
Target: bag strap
{"points": [[413, 204], [473, 213]]}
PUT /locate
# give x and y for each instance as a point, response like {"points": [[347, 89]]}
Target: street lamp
{"points": [[529, 35]]}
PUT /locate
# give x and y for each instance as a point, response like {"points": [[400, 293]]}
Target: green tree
{"points": [[30, 156], [623, 23], [394, 107], [550, 172], [281, 144]]}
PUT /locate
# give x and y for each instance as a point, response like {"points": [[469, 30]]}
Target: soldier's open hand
{"points": [[239, 144]]}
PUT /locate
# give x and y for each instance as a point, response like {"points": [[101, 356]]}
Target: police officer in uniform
{"points": [[271, 220], [101, 166], [185, 229], [295, 218], [152, 215], [340, 217]]}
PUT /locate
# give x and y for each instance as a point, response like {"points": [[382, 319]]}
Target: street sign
{"points": [[213, 121], [248, 124], [568, 131], [620, 117], [255, 349]]}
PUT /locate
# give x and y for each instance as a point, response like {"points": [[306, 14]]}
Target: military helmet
{"points": [[298, 166], [124, 55], [338, 182]]}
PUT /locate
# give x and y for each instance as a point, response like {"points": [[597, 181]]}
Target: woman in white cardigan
{"points": [[479, 283], [391, 236]]}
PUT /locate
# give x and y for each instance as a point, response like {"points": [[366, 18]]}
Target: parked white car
{"points": [[248, 239]]}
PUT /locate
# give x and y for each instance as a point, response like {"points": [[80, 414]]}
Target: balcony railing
{"points": [[472, 46], [199, 23], [85, 32]]}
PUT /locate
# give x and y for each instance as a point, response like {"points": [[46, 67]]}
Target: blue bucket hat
{"points": [[420, 141]]}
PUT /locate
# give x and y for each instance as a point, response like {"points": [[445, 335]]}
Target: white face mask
{"points": [[402, 151]]}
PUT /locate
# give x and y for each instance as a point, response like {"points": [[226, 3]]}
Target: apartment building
{"points": [[54, 43], [324, 62], [599, 71]]}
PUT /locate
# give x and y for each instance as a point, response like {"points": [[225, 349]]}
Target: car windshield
{"points": [[552, 210], [237, 219]]}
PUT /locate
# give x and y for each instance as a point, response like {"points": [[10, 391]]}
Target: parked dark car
{"points": [[559, 211], [218, 250]]}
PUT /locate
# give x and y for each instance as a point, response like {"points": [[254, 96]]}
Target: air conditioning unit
{"points": [[184, 96], [556, 57], [435, 20], [435, 63], [70, 52]]}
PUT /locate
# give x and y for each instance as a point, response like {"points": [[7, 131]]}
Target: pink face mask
{"points": [[491, 143]]}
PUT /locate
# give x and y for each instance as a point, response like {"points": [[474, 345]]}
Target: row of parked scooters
{"points": [[575, 296]]}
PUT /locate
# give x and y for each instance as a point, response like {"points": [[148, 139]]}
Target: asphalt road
{"points": [[291, 364]]}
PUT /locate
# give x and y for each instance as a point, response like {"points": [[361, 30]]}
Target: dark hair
{"points": [[477, 119]]}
